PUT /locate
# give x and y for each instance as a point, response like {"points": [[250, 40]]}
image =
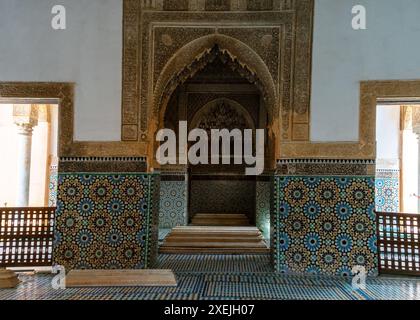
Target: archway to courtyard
{"points": [[29, 154], [28, 189], [397, 184]]}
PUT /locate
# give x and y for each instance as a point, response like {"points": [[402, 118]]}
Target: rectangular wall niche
{"points": [[175, 5], [262, 4], [217, 5]]}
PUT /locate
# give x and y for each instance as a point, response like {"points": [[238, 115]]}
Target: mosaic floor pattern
{"points": [[228, 277]]}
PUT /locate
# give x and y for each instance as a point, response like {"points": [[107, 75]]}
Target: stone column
{"points": [[416, 130], [25, 117]]}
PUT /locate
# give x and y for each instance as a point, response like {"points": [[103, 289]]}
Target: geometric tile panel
{"points": [[173, 204], [387, 194], [263, 207], [105, 221], [324, 225], [218, 263]]}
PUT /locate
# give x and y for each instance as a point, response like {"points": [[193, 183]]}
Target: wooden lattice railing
{"points": [[26, 236], [399, 243]]}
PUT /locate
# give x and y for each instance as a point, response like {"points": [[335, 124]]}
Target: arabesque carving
{"points": [[208, 57]]}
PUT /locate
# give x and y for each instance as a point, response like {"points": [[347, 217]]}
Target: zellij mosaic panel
{"points": [[324, 225], [104, 221]]}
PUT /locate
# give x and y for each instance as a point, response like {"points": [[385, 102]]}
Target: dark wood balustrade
{"points": [[26, 237], [398, 243]]}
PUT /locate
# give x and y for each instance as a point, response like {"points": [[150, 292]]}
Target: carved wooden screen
{"points": [[26, 236], [398, 243]]}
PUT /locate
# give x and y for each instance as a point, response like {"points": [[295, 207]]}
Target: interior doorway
{"points": [[28, 185], [29, 161], [397, 187], [398, 155], [219, 95]]}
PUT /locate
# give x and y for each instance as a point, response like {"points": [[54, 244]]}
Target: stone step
{"points": [[219, 222], [215, 232], [220, 219], [206, 238], [228, 245], [221, 215], [189, 250], [219, 240]]}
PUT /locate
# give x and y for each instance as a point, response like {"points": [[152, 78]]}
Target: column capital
{"points": [[25, 116], [25, 129]]}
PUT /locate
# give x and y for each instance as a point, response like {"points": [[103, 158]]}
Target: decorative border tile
{"points": [[325, 161], [102, 164], [387, 190], [325, 167], [387, 174], [53, 185]]}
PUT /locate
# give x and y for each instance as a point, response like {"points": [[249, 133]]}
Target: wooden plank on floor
{"points": [[120, 278], [8, 279]]}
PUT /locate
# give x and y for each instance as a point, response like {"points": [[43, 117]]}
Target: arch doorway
{"points": [[219, 93]]}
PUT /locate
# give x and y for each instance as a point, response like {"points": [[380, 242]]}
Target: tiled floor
{"points": [[208, 277]]}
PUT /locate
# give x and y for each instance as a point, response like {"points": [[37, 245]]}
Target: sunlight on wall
{"points": [[410, 172], [387, 184], [8, 143]]}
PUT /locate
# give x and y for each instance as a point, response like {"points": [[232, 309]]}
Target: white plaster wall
{"points": [[410, 172], [8, 157], [388, 49], [388, 136], [38, 181], [88, 53]]}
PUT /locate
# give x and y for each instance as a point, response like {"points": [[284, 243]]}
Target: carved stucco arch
{"points": [[192, 52], [236, 105]]}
